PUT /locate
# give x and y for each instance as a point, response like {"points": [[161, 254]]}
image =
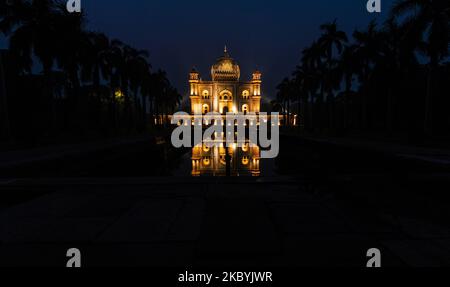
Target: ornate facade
{"points": [[225, 93]]}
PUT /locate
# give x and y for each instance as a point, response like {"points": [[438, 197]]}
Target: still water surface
{"points": [[234, 161]]}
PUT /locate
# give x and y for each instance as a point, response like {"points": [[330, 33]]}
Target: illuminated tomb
{"points": [[225, 93]]}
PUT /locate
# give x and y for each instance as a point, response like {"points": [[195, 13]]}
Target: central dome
{"points": [[225, 69]]}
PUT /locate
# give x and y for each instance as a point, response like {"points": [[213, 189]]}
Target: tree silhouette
{"points": [[376, 81], [105, 80], [427, 22]]}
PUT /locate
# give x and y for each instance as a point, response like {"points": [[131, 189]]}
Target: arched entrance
{"points": [[205, 109], [225, 110], [245, 109]]}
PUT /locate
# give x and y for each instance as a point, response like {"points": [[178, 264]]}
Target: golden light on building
{"points": [[206, 161], [214, 160], [119, 95], [225, 93]]}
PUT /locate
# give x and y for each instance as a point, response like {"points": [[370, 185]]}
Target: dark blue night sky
{"points": [[269, 35]]}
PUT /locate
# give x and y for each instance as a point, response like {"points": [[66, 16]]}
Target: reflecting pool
{"points": [[226, 161]]}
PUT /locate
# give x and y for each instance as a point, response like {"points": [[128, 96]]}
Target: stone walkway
{"points": [[437, 156], [9, 159], [206, 222]]}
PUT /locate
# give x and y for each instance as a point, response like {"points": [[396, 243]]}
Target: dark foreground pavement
{"points": [[204, 222]]}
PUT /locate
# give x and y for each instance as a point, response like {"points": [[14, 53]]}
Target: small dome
{"points": [[225, 69]]}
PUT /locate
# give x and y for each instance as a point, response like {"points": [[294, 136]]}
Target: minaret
{"points": [[256, 98], [194, 80], [256, 81]]}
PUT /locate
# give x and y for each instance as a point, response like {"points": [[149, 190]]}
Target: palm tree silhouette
{"points": [[117, 76], [284, 95], [346, 69], [31, 26], [366, 53], [95, 58], [331, 40], [312, 61], [378, 76], [137, 66], [427, 22], [300, 86]]}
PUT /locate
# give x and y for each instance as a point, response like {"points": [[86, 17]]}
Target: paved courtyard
{"points": [[204, 222]]}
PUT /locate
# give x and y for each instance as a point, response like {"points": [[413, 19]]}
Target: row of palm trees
{"points": [[391, 77], [104, 80]]}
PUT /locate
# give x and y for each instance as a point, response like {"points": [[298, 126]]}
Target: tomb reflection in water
{"points": [[226, 161]]}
